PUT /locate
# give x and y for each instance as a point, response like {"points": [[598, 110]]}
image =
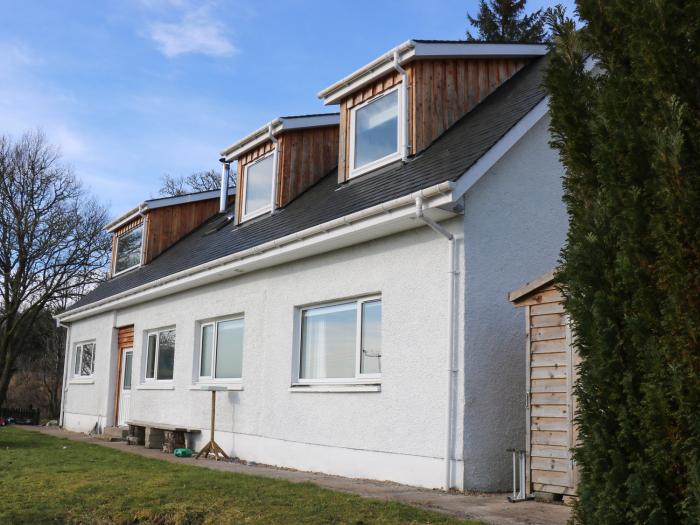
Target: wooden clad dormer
{"points": [[444, 81], [146, 231], [300, 152]]}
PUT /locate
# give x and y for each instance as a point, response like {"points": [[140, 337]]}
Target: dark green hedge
{"points": [[629, 136]]}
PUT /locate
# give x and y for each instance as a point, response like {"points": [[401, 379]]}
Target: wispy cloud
{"points": [[197, 32]]}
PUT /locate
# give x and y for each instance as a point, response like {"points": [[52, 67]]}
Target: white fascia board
{"points": [[184, 199], [261, 135], [411, 50], [372, 223], [477, 50], [126, 217], [498, 150]]}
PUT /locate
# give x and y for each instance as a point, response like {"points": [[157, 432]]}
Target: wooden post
{"points": [[213, 447]]}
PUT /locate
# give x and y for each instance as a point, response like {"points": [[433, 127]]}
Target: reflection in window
{"points": [[334, 345], [128, 250], [160, 355], [376, 130], [257, 186]]}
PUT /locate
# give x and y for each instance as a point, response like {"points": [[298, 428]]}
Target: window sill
{"points": [[82, 381], [349, 387], [235, 387], [156, 386]]}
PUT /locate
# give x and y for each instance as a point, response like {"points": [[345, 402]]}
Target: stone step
{"points": [[114, 434]]}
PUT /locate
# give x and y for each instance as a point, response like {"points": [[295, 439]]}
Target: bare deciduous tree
{"points": [[52, 242], [200, 181]]}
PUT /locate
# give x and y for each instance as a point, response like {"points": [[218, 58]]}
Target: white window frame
{"points": [[154, 379], [78, 357], [388, 159], [116, 251], [245, 215], [212, 379], [359, 377]]}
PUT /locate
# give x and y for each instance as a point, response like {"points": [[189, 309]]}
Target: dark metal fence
{"points": [[21, 415]]}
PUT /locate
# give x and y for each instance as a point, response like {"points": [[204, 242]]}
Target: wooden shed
{"points": [[551, 372]]}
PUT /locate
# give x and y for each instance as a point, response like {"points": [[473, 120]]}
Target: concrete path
{"points": [[490, 508]]}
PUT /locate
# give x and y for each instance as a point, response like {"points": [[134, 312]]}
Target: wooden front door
{"points": [[125, 386]]}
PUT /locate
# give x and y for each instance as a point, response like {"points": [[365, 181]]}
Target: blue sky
{"points": [[135, 89]]}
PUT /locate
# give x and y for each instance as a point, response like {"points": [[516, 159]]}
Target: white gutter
{"points": [[275, 157], [451, 370], [213, 270], [415, 49], [127, 217], [403, 90]]}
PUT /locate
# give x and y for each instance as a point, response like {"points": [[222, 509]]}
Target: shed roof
{"points": [[531, 287]]}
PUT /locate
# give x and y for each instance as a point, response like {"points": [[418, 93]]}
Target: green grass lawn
{"points": [[44, 479]]}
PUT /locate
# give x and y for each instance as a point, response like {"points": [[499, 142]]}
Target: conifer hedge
{"points": [[628, 133]]}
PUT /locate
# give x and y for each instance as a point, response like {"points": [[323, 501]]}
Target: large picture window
{"points": [[160, 355], [257, 187], [128, 250], [341, 341], [375, 132], [84, 364], [221, 350]]}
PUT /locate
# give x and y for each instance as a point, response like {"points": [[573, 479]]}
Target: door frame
{"points": [[125, 339]]}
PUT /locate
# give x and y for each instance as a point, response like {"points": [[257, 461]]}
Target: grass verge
{"points": [[45, 479]]}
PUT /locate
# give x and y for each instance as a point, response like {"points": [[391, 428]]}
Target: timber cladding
{"points": [[440, 92], [304, 157], [551, 373], [165, 226]]}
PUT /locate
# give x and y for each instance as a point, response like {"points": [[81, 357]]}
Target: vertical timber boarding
{"points": [[125, 339], [550, 404]]}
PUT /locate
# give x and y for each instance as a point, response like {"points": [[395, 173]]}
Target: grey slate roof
{"points": [[446, 159]]}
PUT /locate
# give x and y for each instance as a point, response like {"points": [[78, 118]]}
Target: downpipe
{"points": [[451, 370], [66, 358]]}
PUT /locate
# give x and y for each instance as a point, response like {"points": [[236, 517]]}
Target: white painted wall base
{"points": [[83, 422], [419, 471]]}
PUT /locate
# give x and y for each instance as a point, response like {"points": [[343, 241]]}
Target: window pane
{"points": [[76, 368], [129, 250], [166, 354], [127, 370], [258, 185], [376, 129], [87, 360], [328, 342], [207, 345], [151, 356], [370, 359], [229, 348]]}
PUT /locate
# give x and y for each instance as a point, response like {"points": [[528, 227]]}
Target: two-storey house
{"points": [[350, 300]]}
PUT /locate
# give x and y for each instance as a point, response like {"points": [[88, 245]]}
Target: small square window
{"points": [[84, 364], [221, 352], [160, 355]]}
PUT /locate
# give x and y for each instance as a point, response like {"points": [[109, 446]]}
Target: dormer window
{"points": [[257, 187], [375, 132], [129, 250]]}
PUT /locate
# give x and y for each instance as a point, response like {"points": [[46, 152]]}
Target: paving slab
{"points": [[489, 508]]}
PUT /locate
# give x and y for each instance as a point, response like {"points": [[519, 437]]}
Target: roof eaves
{"points": [[414, 49], [278, 125]]}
